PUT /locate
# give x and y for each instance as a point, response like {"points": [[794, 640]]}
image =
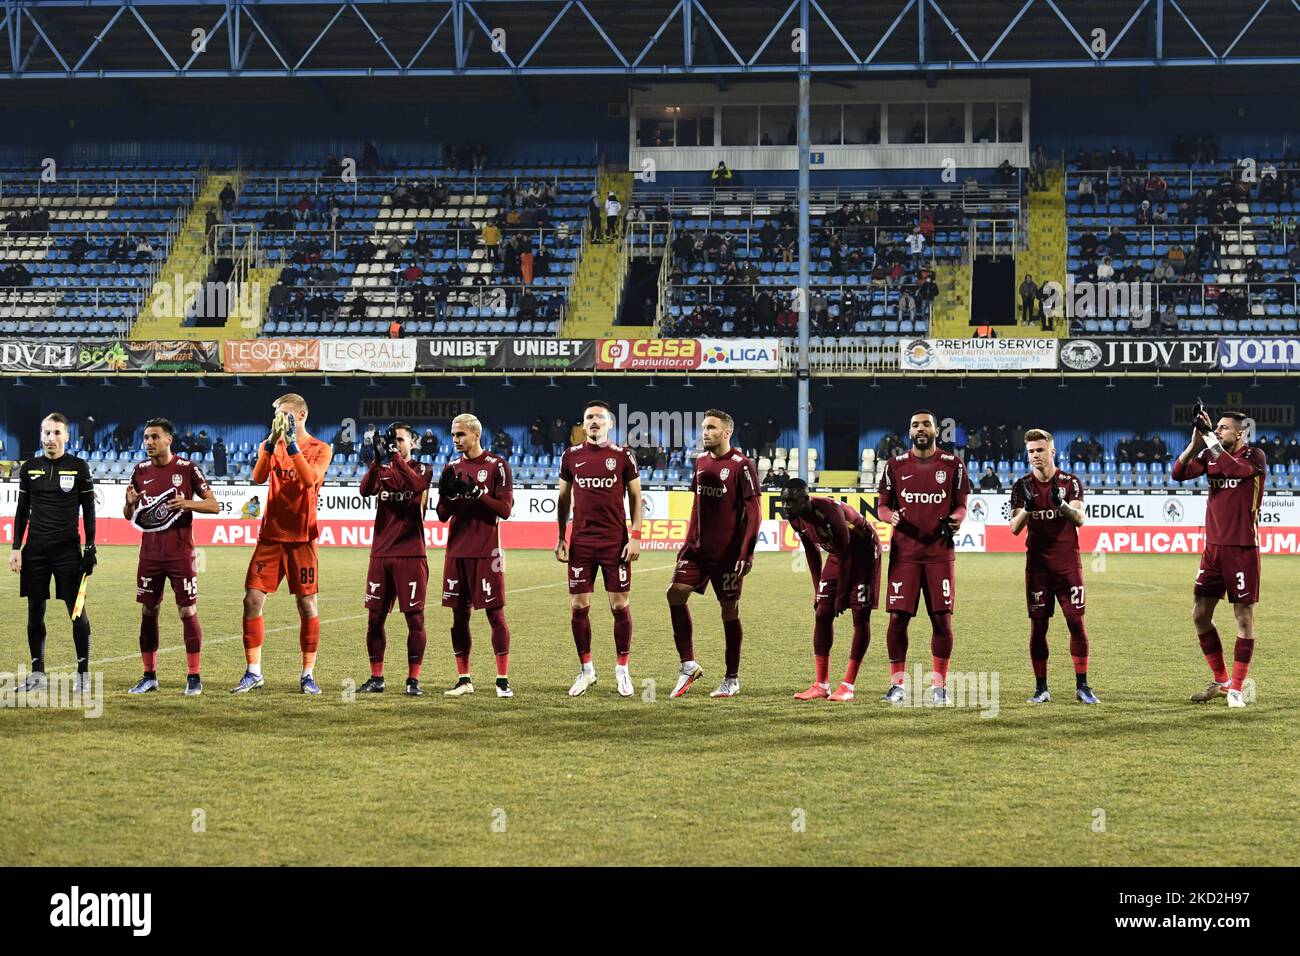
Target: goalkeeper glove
{"points": [[380, 444], [468, 489], [1025, 489], [291, 434], [1058, 496], [448, 483]]}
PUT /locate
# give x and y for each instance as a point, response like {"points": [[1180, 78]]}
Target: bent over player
{"points": [[1230, 563], [475, 491], [52, 488], [849, 578], [719, 549], [923, 495], [161, 502], [295, 463], [399, 568], [1049, 502], [594, 479]]}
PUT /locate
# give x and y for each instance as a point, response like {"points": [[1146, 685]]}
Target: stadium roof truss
{"points": [[70, 39]]}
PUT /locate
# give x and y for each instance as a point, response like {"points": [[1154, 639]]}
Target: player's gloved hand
{"points": [[390, 438], [448, 483], [88, 560], [1024, 488], [291, 434], [1201, 418], [277, 432], [380, 444], [471, 490], [1058, 496]]}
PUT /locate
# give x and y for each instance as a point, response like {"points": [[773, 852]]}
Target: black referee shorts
{"points": [[64, 563]]}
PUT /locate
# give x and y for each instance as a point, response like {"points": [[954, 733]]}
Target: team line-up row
{"points": [[922, 494]]}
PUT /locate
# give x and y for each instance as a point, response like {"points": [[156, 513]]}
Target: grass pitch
{"points": [[273, 777]]}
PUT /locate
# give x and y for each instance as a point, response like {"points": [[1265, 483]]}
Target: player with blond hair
{"points": [[475, 491], [294, 463]]}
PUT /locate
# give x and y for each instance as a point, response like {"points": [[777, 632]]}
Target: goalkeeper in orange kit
{"points": [[295, 465]]}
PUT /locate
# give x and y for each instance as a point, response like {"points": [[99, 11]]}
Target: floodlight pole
{"points": [[804, 291]]}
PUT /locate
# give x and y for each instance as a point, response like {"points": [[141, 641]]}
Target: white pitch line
{"points": [[290, 627]]}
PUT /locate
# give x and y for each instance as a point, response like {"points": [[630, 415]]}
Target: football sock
{"points": [[81, 638], [683, 631], [1038, 648], [416, 641], [861, 641], [1212, 648], [500, 640], [1241, 656], [308, 640], [1080, 678], [896, 644], [823, 629], [376, 640], [461, 641], [149, 642], [580, 624], [1040, 684], [36, 634], [253, 635], [1078, 645], [940, 647], [623, 633], [193, 631], [821, 669], [733, 634]]}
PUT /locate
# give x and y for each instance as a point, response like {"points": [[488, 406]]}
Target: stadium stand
{"points": [[78, 256], [1215, 239]]}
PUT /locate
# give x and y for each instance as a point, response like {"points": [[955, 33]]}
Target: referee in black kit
{"points": [[50, 490]]}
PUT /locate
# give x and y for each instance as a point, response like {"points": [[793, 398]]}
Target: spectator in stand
{"points": [[490, 236], [906, 306], [916, 247], [612, 210], [428, 442], [503, 444], [219, 458], [1085, 192], [558, 435], [227, 198], [1105, 271], [989, 480], [202, 444], [1038, 170], [537, 436], [1028, 297], [123, 437], [721, 176], [1169, 319]]}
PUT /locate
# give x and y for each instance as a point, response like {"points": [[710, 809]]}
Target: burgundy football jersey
{"points": [[834, 527], [168, 531], [1053, 540], [1236, 482], [723, 526], [399, 516], [928, 489], [472, 523], [599, 476]]}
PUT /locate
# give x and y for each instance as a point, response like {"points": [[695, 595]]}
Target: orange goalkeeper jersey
{"points": [[290, 512]]}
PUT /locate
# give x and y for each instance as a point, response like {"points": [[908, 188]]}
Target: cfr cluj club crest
{"points": [[482, 475], [609, 463], [941, 476], [724, 473]]}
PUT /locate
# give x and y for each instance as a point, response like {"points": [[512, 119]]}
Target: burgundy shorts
{"points": [[1044, 589], [908, 581], [1229, 570], [400, 580], [697, 575], [864, 583], [152, 573], [477, 583], [584, 561]]}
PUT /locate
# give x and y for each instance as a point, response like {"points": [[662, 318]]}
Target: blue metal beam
{"points": [[604, 58]]}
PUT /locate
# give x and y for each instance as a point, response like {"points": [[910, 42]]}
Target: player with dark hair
{"points": [[1049, 502], [849, 578], [295, 464], [1230, 563], [923, 495], [475, 491], [399, 567], [52, 488], [595, 477], [719, 548], [161, 502]]}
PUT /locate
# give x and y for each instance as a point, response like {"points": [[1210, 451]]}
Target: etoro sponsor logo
{"points": [[923, 497]]}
